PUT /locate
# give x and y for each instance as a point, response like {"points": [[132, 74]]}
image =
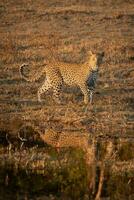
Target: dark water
{"points": [[38, 173], [20, 184]]}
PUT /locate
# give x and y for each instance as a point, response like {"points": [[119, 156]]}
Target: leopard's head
{"points": [[95, 60]]}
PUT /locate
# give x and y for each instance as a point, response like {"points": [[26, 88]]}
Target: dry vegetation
{"points": [[35, 32]]}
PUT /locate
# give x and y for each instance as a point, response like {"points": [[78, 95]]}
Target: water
{"points": [[104, 167]]}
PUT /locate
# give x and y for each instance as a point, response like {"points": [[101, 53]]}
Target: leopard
{"points": [[72, 74], [65, 139]]}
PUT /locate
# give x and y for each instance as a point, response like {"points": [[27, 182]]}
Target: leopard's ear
{"points": [[90, 53]]}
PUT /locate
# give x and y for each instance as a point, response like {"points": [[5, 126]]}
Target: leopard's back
{"points": [[65, 139]]}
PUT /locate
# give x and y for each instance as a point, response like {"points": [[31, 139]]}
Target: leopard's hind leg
{"points": [[57, 88], [45, 87]]}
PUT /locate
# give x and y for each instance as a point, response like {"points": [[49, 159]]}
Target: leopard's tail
{"points": [[34, 77]]}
